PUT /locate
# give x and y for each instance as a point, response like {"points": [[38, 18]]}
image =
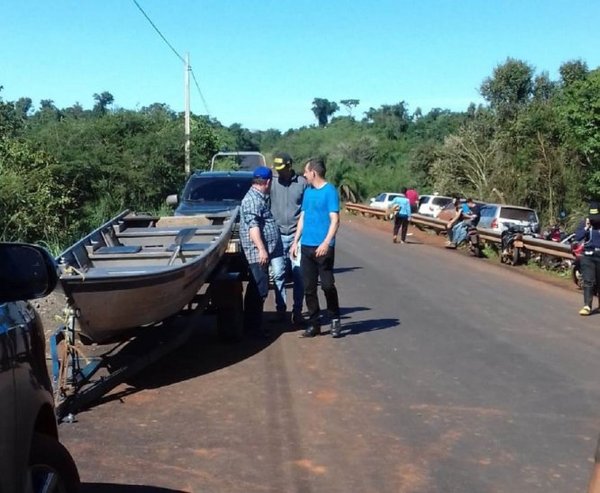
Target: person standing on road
{"points": [[403, 213], [287, 191], [261, 242], [413, 197], [317, 227], [589, 232]]}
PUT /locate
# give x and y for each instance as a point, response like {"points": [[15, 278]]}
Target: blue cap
{"points": [[263, 172]]}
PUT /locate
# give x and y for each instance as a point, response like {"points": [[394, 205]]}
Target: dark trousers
{"points": [[313, 268], [255, 296], [401, 222], [590, 271]]}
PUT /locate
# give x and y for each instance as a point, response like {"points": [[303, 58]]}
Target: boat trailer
{"points": [[79, 381]]}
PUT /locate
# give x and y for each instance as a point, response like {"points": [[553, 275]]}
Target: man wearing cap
{"points": [[261, 242], [287, 191]]}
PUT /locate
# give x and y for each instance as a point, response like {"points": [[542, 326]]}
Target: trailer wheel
{"points": [[228, 301]]}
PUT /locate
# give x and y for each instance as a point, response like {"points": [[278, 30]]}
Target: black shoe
{"points": [[313, 331]]}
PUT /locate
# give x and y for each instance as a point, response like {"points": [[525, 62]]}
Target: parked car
{"points": [[384, 200], [31, 457], [211, 192], [500, 217], [431, 205]]}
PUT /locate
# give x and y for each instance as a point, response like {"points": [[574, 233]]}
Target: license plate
{"points": [[519, 244]]}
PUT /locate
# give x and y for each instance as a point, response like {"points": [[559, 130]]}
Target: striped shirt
{"points": [[255, 212]]}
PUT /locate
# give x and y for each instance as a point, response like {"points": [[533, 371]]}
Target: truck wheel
{"points": [[51, 467]]}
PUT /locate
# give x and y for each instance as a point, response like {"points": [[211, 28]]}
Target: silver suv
{"points": [[31, 457], [501, 216]]}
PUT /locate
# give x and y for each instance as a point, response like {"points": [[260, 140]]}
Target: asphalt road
{"points": [[454, 375]]}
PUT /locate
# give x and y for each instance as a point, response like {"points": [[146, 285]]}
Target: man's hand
{"points": [[322, 250], [263, 257], [294, 250]]}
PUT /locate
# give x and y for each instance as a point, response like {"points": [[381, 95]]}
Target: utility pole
{"points": [[187, 116]]}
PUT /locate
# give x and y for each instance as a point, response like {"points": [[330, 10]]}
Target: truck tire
{"points": [[51, 467]]}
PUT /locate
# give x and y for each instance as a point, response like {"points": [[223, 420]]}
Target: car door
{"points": [[7, 401]]}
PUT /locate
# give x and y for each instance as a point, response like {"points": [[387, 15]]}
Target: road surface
{"points": [[454, 375]]}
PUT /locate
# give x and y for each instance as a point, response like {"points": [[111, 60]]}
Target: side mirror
{"points": [[26, 272], [171, 199]]}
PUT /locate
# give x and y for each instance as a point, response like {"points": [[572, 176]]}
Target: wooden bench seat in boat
{"points": [[140, 232], [123, 270], [122, 249]]}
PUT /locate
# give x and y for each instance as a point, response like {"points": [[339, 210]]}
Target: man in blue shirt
{"points": [[402, 217], [317, 227], [261, 242]]}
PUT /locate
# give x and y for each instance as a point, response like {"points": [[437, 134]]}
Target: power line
{"points": [[158, 31], [176, 54], [200, 92]]}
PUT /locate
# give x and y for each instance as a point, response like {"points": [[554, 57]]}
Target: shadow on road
{"points": [[354, 328], [341, 270], [123, 488], [204, 352]]}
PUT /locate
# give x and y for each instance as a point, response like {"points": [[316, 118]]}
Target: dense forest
{"points": [[534, 142]]}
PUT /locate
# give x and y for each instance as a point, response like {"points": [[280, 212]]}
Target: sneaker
{"points": [[586, 310], [394, 239], [336, 327], [312, 331]]}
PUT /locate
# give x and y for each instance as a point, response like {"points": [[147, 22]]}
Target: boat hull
{"points": [[115, 294]]}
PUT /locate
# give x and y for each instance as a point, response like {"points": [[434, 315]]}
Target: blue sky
{"points": [[262, 62]]}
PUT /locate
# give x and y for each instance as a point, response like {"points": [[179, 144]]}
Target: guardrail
{"points": [[532, 244]]}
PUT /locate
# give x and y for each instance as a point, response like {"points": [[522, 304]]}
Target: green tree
{"points": [[391, 120], [350, 104], [323, 109], [103, 101], [573, 71], [509, 88]]}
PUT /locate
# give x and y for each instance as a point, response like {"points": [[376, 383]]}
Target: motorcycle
{"points": [[512, 245], [473, 241]]}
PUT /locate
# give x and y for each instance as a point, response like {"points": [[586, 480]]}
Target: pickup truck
{"points": [[220, 189]]}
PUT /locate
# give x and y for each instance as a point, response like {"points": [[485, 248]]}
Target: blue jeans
{"points": [[255, 296], [459, 232], [280, 266]]}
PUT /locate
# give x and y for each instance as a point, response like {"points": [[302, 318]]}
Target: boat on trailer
{"points": [[138, 270]]}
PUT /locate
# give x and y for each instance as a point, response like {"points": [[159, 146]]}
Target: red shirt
{"points": [[412, 196]]}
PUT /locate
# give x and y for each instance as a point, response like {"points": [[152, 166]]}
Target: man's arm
{"points": [[334, 223], [256, 237], [454, 220], [299, 228]]}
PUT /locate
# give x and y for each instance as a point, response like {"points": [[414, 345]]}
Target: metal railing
{"points": [[538, 245]]}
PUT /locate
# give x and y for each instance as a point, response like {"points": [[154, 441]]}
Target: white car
{"points": [[384, 200], [431, 205]]}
